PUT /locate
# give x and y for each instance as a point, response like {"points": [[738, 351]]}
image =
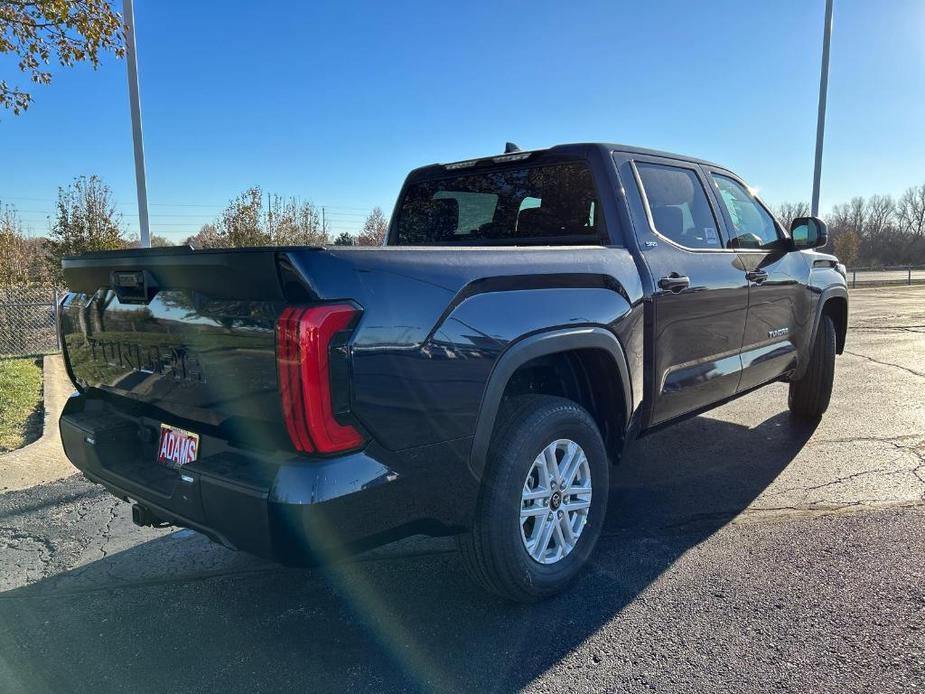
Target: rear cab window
{"points": [[513, 204]]}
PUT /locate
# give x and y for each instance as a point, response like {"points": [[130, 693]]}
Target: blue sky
{"points": [[334, 102]]}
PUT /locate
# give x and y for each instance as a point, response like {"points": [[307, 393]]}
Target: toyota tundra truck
{"points": [[529, 315]]}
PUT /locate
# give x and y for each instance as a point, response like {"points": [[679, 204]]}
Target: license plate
{"points": [[177, 446]]}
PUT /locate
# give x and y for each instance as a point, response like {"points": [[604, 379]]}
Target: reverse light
{"points": [[303, 338]]}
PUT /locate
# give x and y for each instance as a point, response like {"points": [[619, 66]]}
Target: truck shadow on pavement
{"points": [[178, 613]]}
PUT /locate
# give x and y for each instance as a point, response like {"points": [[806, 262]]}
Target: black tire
{"points": [[809, 397], [493, 551]]}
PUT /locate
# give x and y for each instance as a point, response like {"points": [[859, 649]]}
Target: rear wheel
{"points": [[809, 397], [543, 499]]}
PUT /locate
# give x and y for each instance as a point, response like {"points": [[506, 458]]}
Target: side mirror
{"points": [[808, 232]]}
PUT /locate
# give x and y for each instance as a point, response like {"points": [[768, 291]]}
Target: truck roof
{"points": [[579, 148], [613, 147]]}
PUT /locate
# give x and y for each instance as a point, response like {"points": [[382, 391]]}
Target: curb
{"points": [[43, 460]]}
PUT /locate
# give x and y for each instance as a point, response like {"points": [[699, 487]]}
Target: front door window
{"points": [[751, 226]]}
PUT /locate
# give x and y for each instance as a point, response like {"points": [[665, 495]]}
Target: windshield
{"points": [[553, 204]]}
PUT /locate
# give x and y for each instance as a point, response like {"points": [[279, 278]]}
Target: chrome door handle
{"points": [[756, 276]]}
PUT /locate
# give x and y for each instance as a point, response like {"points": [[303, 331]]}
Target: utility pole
{"points": [[820, 118], [131, 62], [324, 227]]}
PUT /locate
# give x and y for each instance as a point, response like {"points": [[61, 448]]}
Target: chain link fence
{"points": [[27, 320]]}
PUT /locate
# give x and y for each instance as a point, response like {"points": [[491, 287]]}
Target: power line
{"points": [[199, 216], [344, 209]]}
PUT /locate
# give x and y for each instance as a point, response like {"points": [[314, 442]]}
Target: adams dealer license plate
{"points": [[177, 446]]}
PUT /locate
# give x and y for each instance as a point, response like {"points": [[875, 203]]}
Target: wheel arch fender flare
{"points": [[527, 349], [835, 291], [832, 292]]}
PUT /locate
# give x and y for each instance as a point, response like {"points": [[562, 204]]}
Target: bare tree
{"points": [[910, 211], [67, 31], [85, 220], [206, 237], [847, 218], [374, 229], [854, 214], [879, 215], [786, 212], [22, 259], [241, 223], [295, 223], [156, 242], [246, 221]]}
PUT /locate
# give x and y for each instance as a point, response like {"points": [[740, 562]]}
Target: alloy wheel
{"points": [[555, 501]]}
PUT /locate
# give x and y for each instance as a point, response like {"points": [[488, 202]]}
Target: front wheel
{"points": [[543, 499], [809, 397]]}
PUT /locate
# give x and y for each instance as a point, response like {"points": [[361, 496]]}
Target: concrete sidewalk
{"points": [[43, 460]]}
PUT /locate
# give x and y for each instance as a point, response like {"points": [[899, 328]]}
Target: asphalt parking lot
{"points": [[744, 552]]}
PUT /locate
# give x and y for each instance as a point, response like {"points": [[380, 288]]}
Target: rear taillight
{"points": [[304, 337]]}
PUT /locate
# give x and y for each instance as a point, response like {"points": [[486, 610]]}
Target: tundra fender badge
{"points": [[780, 332]]}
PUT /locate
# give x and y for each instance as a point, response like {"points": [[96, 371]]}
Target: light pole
{"points": [[135, 105], [820, 118]]}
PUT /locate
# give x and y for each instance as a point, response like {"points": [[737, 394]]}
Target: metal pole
{"points": [[135, 104], [823, 91]]}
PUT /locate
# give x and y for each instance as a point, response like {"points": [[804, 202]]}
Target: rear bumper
{"points": [[279, 506]]}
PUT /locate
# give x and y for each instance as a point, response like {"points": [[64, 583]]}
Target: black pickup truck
{"points": [[531, 313]]}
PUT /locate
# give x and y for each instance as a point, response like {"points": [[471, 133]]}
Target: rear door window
{"points": [[547, 204], [678, 205]]}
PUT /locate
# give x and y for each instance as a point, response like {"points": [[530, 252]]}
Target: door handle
{"points": [[674, 282], [756, 276]]}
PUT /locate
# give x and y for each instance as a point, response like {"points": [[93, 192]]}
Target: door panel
{"points": [[697, 325], [698, 331], [778, 316], [777, 297]]}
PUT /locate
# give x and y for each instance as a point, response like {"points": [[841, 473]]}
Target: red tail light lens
{"points": [[303, 342]]}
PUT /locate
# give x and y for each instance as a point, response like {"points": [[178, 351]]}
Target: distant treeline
{"points": [[247, 221], [85, 219], [877, 231]]}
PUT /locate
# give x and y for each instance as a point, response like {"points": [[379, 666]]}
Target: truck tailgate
{"points": [[186, 336]]}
